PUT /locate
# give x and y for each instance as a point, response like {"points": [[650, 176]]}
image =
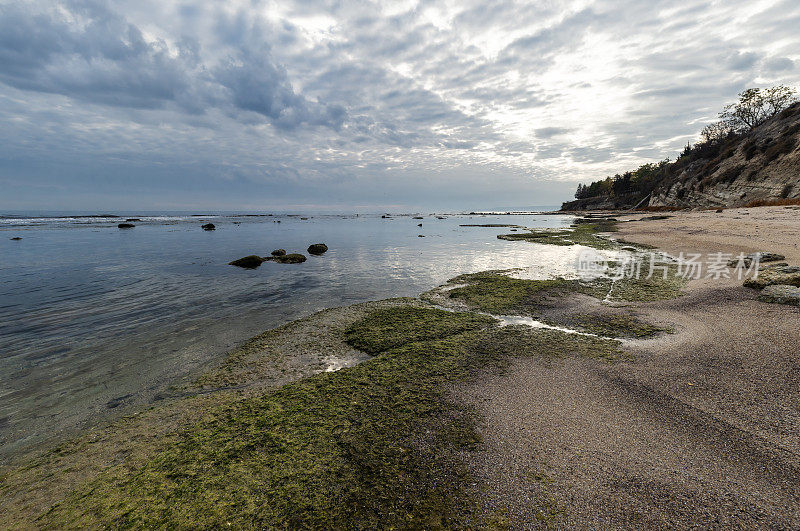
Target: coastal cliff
{"points": [[761, 166]]}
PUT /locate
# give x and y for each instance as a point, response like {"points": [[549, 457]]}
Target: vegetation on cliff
{"points": [[710, 162]]}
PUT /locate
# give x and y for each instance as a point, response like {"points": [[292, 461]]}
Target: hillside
{"points": [[761, 165]]}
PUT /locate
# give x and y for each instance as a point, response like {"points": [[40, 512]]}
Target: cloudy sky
{"points": [[374, 105]]}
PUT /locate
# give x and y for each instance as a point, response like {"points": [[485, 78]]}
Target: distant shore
{"points": [[637, 402]]}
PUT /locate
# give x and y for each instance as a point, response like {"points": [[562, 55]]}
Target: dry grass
{"points": [[772, 202]]}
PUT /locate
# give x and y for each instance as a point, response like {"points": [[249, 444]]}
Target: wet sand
{"points": [[702, 428]]}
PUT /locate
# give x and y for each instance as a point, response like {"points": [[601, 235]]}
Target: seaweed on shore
{"points": [[579, 234], [374, 445]]}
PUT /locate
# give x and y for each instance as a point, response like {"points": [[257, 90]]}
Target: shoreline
{"points": [[484, 444]]}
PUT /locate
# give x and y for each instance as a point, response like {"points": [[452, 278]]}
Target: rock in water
{"points": [[278, 252], [420, 235], [317, 248], [133, 219], [16, 238], [292, 258], [248, 262], [126, 226], [781, 294], [209, 226]]}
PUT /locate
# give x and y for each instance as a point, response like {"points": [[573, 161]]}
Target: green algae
{"points": [[497, 293], [586, 234], [617, 325], [374, 445]]}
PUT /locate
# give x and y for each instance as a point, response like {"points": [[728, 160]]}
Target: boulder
{"points": [[292, 258], [278, 252], [126, 226], [209, 226], [778, 275], [760, 257], [781, 294], [417, 217], [248, 262], [419, 224], [420, 235], [317, 248], [16, 238]]}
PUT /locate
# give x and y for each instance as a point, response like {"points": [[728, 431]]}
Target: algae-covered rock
{"points": [[781, 294], [293, 258], [317, 248], [126, 226], [760, 257], [209, 226], [278, 252], [779, 275], [248, 262]]}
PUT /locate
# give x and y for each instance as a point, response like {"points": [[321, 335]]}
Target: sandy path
{"points": [[702, 429]]}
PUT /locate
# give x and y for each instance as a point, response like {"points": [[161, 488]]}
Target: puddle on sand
{"points": [[519, 320]]}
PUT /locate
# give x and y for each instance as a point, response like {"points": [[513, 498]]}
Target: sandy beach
{"points": [[702, 428]]}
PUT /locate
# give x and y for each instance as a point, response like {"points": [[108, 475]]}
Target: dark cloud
{"points": [[87, 52]]}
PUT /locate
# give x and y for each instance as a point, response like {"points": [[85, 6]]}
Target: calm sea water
{"points": [[93, 315]]}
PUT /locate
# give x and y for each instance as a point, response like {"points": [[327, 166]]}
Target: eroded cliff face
{"points": [[762, 166]]}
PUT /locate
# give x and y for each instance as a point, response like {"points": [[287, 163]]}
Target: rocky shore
{"points": [[491, 401]]}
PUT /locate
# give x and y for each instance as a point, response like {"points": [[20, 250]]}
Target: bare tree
{"points": [[756, 106], [715, 132]]}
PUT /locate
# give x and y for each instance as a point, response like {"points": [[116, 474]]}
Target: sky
{"points": [[363, 105]]}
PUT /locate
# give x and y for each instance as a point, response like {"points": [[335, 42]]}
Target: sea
{"points": [[96, 320]]}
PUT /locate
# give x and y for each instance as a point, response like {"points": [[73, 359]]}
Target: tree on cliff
{"points": [[755, 106]]}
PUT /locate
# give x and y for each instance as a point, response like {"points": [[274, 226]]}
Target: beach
{"points": [[703, 428], [651, 403]]}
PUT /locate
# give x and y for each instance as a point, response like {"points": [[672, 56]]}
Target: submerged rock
{"points": [[248, 262], [209, 226], [278, 252], [760, 257], [126, 226], [781, 294], [778, 275], [317, 248], [293, 258]]}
